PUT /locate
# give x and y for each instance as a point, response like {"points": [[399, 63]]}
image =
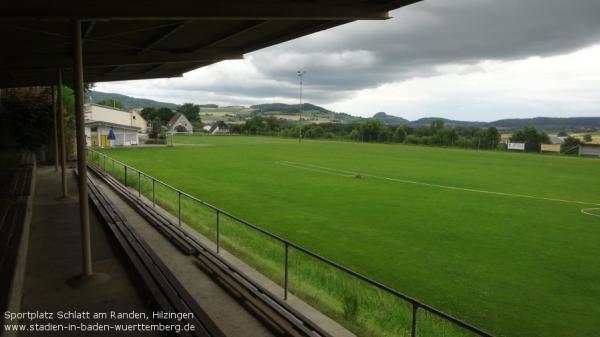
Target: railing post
{"points": [[413, 332], [179, 193], [285, 281], [153, 194], [125, 175], [218, 233], [139, 184]]}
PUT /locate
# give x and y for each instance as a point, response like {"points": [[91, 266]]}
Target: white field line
{"points": [[588, 211], [344, 173]]}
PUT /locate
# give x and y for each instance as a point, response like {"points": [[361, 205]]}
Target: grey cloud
{"points": [[418, 41], [426, 35]]}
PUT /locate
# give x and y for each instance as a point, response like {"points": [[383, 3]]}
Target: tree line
{"points": [[375, 131]]}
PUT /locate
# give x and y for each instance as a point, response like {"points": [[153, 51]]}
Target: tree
{"points": [[190, 111], [570, 145], [163, 114], [587, 138], [385, 135], [155, 128], [563, 134], [436, 125], [491, 138], [399, 134], [371, 129], [531, 137], [113, 103], [315, 131]]}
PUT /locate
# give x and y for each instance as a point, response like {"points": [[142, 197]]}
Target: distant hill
{"points": [[128, 101], [389, 119], [289, 109], [550, 123], [448, 122], [309, 111]]}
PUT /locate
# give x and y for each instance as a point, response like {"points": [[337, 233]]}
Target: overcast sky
{"points": [[460, 59]]}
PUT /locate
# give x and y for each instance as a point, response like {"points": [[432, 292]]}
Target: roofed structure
{"points": [[125, 40]]}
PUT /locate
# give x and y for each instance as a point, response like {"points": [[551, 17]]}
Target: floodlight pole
{"points": [[300, 74]]}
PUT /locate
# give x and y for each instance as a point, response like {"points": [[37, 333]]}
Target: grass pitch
{"points": [[496, 239]]}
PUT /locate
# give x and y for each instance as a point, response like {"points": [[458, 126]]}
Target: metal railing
{"points": [[286, 245]]}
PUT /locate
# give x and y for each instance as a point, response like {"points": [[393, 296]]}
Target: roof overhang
{"points": [[127, 40], [111, 125]]}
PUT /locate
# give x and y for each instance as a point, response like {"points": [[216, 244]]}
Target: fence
{"points": [[361, 304]]}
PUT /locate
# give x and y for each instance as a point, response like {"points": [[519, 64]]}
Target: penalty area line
{"points": [[344, 173], [589, 211]]}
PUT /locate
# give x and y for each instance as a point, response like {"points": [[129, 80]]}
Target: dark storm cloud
{"points": [[421, 38]]}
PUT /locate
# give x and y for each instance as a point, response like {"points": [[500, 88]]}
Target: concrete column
{"points": [[61, 133], [84, 212]]}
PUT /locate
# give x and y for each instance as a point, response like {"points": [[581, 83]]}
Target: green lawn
{"points": [[517, 262]]}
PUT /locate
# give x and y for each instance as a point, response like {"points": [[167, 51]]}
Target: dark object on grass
{"points": [[358, 176]]}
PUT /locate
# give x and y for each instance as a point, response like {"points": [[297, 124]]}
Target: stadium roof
{"points": [[137, 39]]}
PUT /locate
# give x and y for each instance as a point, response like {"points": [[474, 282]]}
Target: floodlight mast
{"points": [[300, 74]]}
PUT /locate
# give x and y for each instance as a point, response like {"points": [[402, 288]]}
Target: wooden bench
{"points": [[167, 292], [182, 241], [13, 214]]}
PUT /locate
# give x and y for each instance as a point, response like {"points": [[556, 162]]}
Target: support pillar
{"points": [[84, 212], [55, 118], [61, 133]]}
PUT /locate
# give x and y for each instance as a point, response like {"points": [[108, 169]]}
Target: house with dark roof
{"points": [[217, 127], [179, 123]]}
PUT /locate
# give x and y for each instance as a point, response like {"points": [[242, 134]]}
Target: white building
{"points": [[101, 120], [98, 133]]}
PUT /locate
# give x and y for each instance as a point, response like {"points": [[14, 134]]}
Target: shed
{"points": [[590, 150]]}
